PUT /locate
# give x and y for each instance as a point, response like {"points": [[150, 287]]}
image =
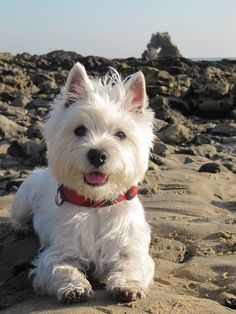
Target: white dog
{"points": [[84, 205]]}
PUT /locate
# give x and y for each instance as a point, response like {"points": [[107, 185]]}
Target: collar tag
{"points": [[59, 200]]}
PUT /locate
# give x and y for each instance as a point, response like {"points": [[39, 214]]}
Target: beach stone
{"points": [[22, 100], [225, 129], [35, 130], [188, 160], [205, 150], [37, 103], [175, 134], [9, 128], [201, 139], [152, 165], [212, 167], [159, 124], [160, 149]]}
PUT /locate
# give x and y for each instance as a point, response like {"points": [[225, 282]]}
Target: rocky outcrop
{"points": [[177, 88], [160, 46], [212, 92]]}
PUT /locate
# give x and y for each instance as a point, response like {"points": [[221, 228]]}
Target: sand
{"points": [[193, 220]]}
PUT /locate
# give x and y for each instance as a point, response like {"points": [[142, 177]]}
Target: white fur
{"points": [[114, 240]]}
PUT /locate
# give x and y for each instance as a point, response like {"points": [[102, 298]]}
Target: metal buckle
{"points": [[59, 200]]}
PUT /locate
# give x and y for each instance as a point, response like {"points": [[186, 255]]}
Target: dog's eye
{"points": [[81, 130], [120, 135]]}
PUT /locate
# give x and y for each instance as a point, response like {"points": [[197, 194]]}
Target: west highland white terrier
{"points": [[84, 206]]}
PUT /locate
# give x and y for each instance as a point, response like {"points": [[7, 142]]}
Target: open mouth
{"points": [[95, 178]]}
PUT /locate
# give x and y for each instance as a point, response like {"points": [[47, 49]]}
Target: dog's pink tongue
{"points": [[96, 177]]}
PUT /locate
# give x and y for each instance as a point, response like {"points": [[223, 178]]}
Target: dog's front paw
{"points": [[126, 294], [75, 295]]}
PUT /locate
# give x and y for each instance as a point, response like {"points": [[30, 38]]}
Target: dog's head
{"points": [[99, 133]]}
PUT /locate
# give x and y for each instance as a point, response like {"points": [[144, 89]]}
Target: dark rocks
{"points": [[200, 139], [163, 111], [176, 87], [160, 149], [212, 167], [35, 130], [30, 152], [22, 100], [188, 160], [212, 93], [225, 129]]}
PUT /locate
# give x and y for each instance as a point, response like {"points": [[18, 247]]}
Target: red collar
{"points": [[66, 195]]}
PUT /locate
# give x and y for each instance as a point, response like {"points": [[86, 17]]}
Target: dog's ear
{"points": [[77, 84], [136, 98]]}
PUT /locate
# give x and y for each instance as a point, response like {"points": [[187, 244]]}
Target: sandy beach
{"points": [[193, 220]]}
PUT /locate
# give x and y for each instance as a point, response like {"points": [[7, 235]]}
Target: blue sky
{"points": [[118, 28]]}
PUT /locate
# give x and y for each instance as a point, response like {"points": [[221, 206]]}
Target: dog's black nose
{"points": [[96, 157]]}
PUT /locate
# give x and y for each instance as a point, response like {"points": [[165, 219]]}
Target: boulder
{"points": [[163, 111], [175, 134], [212, 93], [212, 167]]}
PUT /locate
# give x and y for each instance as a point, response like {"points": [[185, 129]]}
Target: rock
{"points": [[15, 80], [152, 165], [205, 150], [225, 129], [159, 124], [160, 149], [233, 114], [21, 101], [38, 102], [30, 152], [185, 151], [175, 134], [13, 184], [160, 106], [5, 56], [212, 167], [9, 128], [156, 160], [160, 46], [212, 93], [201, 139], [35, 130], [45, 82], [188, 160]]}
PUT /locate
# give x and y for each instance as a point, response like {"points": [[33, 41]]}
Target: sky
{"points": [[117, 28]]}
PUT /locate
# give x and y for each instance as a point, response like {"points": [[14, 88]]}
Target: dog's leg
{"points": [[130, 278], [21, 211], [60, 278]]}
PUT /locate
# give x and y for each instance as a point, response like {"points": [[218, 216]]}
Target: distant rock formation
{"points": [[160, 46]]}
